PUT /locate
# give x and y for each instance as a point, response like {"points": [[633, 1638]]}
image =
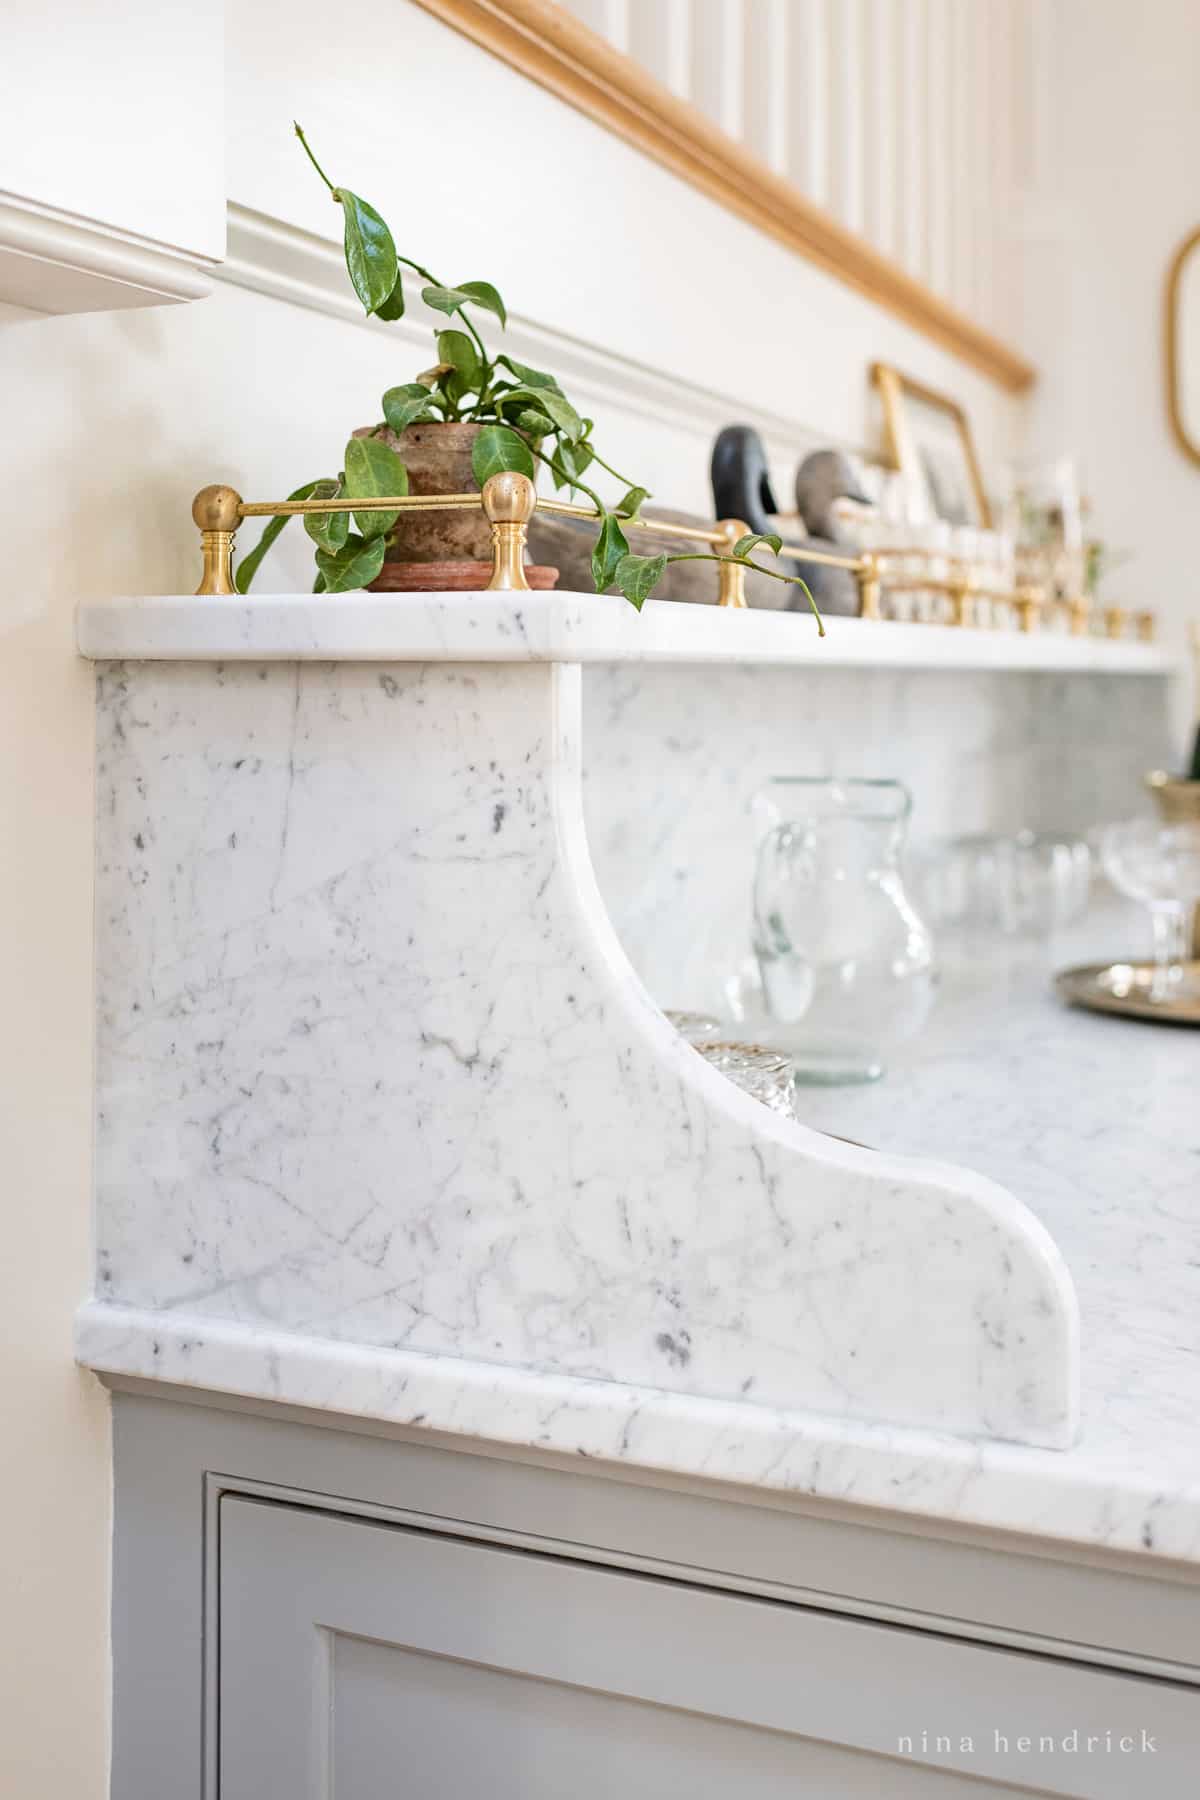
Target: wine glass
{"points": [[1160, 866]]}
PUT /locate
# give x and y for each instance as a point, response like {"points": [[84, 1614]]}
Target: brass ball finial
{"points": [[217, 513], [216, 508], [509, 499]]}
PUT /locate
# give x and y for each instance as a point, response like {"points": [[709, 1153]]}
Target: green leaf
{"points": [[370, 252], [745, 545], [404, 405], [247, 567], [457, 349], [357, 562], [534, 378], [636, 576], [318, 586], [611, 546], [393, 306], [471, 293], [573, 460], [482, 293], [631, 505], [373, 472], [328, 531], [444, 299], [498, 448], [562, 415], [534, 424]]}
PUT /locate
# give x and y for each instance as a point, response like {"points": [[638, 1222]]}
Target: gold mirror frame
{"points": [[1174, 406]]}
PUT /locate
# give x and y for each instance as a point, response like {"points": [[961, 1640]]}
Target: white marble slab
{"points": [[372, 1068], [563, 627], [1093, 1120]]}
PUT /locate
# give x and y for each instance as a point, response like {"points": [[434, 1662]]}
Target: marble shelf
{"points": [[373, 1065], [566, 627]]}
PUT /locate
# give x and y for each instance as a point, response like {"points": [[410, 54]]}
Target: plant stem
{"points": [[312, 159], [479, 344], [433, 281], [417, 269], [624, 479], [572, 482], [775, 574]]}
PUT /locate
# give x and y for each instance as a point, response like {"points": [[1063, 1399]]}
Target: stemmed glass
{"points": [[1160, 866]]}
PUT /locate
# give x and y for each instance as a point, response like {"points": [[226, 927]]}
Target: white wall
{"points": [[114, 115], [1117, 196]]}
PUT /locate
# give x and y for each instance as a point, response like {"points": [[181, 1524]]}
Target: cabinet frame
{"points": [[175, 1461]]}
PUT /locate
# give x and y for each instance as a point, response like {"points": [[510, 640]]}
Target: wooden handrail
{"points": [[548, 44]]}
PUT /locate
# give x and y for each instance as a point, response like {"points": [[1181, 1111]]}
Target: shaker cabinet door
{"points": [[374, 1662]]}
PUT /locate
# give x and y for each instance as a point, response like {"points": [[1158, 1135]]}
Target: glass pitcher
{"points": [[847, 964]]}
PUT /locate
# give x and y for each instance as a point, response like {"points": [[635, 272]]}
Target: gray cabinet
{"points": [[364, 1659]]}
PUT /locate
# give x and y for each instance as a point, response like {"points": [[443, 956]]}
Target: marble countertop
{"points": [[1094, 1121]]}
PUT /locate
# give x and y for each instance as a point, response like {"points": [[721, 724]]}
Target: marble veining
{"points": [[375, 1077]]}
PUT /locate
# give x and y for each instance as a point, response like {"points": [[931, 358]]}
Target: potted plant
{"points": [[467, 417]]}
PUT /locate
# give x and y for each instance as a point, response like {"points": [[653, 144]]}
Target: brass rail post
{"points": [[1029, 606], [868, 588], [960, 600], [731, 577], [217, 511], [509, 501], [1078, 611]]}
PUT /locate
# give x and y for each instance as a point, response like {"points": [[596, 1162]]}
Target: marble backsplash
{"points": [[672, 757]]}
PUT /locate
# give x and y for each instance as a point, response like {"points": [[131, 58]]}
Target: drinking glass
{"points": [[759, 1071], [1159, 865], [1031, 882]]}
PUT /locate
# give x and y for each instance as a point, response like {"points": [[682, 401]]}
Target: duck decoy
{"points": [[742, 489]]}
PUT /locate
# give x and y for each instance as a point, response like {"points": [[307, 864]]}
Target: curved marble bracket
{"points": [[373, 1067]]}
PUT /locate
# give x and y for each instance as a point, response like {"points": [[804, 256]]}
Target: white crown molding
{"points": [[271, 257], [56, 262]]}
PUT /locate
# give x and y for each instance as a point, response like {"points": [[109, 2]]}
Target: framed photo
{"points": [[929, 440]]}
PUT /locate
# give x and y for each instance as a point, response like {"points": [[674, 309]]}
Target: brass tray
{"points": [[1124, 988]]}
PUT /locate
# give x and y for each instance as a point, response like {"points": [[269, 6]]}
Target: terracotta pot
{"points": [[450, 577], [438, 460]]}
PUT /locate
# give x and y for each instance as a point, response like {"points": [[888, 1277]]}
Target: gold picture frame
{"points": [[956, 494]]}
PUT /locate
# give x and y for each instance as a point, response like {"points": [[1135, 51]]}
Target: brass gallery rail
{"points": [[510, 501]]}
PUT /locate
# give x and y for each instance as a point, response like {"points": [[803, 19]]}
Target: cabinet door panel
{"points": [[373, 1662]]}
